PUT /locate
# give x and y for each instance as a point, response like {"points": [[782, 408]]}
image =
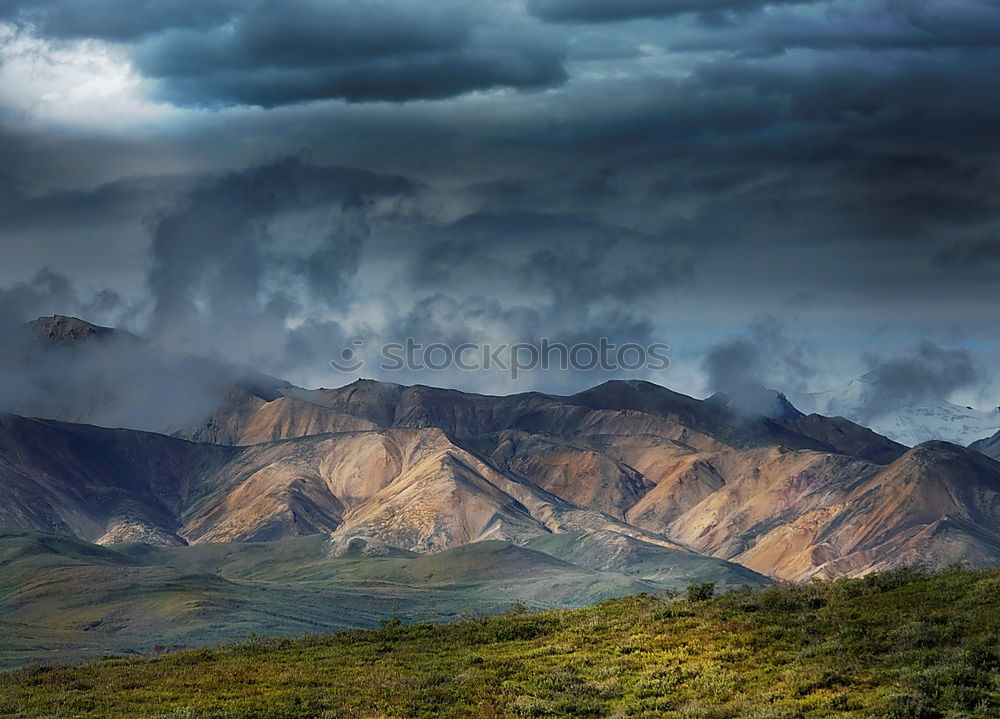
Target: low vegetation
{"points": [[900, 645]]}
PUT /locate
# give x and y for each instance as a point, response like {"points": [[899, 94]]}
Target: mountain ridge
{"points": [[429, 469], [990, 446]]}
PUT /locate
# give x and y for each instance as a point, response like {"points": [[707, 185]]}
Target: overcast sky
{"points": [[787, 192]]}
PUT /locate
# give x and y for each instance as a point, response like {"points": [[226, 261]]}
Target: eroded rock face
{"points": [[795, 515]]}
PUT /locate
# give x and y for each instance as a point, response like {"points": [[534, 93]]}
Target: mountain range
{"points": [[438, 498]]}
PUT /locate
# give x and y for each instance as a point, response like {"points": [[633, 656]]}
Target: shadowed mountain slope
{"points": [[101, 485], [613, 552], [787, 513], [989, 446]]}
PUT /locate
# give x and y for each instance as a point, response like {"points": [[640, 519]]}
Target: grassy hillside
{"points": [[893, 646], [64, 599]]}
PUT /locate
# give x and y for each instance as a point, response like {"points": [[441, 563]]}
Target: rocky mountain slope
{"points": [[803, 514], [412, 488]]}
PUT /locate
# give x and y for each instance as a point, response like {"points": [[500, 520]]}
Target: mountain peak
{"points": [[67, 330], [756, 399], [628, 388], [937, 452], [632, 384]]}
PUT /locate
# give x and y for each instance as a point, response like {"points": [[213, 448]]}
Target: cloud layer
{"points": [[216, 53], [601, 11], [646, 170]]}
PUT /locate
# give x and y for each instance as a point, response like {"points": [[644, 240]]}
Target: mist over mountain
{"points": [[64, 368]]}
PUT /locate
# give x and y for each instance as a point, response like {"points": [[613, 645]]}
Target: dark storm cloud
{"points": [[278, 55], [969, 255], [600, 11], [831, 152], [765, 355], [244, 253], [517, 277], [735, 363], [439, 262], [861, 91], [214, 54], [571, 259], [117, 19], [845, 25], [602, 47], [601, 268], [107, 202], [438, 317], [698, 168], [495, 326], [242, 267], [432, 76]]}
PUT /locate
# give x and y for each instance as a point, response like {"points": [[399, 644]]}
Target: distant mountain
{"points": [[627, 460], [616, 407], [111, 378], [909, 418], [384, 468], [59, 329], [990, 446]]}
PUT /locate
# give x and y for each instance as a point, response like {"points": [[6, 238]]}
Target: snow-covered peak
{"points": [[910, 419]]}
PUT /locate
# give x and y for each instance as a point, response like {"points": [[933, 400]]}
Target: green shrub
{"points": [[881, 582], [700, 592]]}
